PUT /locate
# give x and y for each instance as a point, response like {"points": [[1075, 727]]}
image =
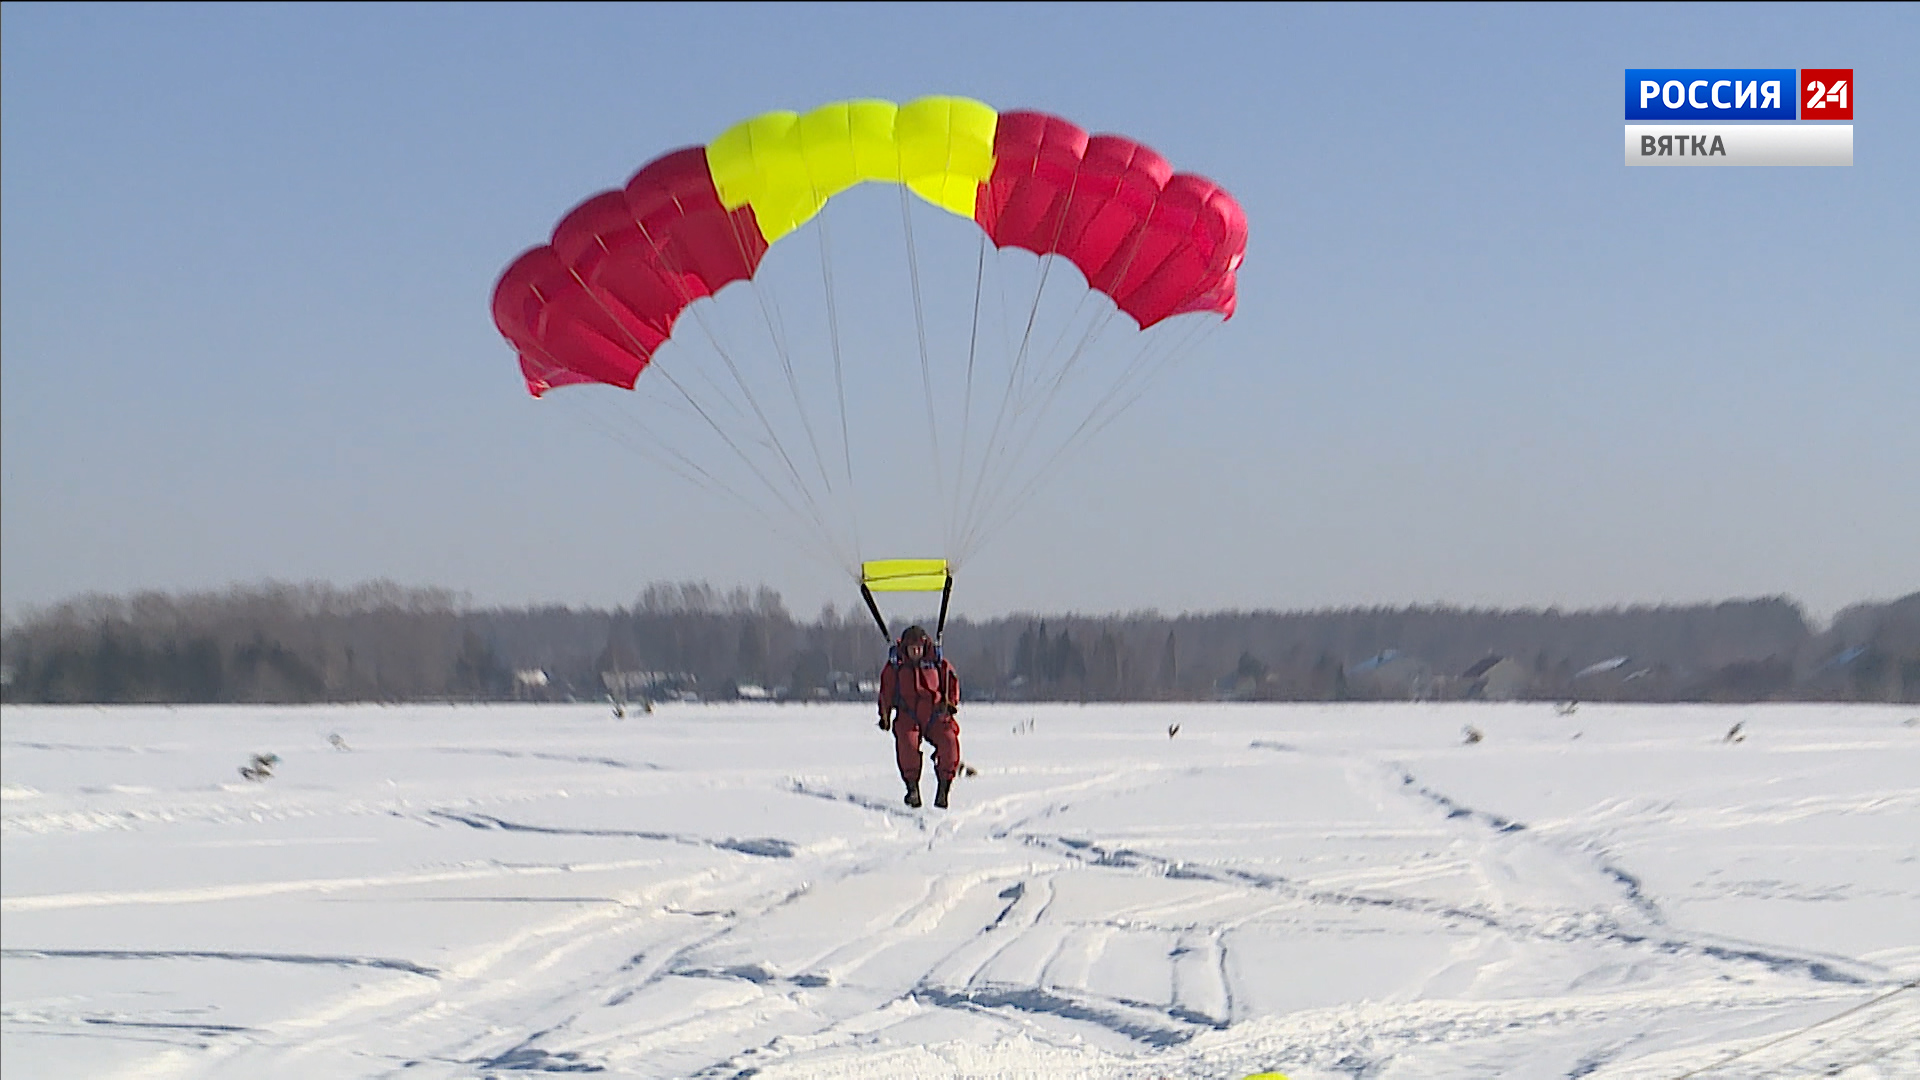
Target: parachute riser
{"points": [[940, 627], [878, 620]]}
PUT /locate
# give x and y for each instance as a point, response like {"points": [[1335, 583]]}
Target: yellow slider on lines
{"points": [[904, 575]]}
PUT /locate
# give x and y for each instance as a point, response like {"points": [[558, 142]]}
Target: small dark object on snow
{"points": [[338, 742], [968, 770], [1567, 708], [1172, 730], [1737, 733], [261, 767], [1474, 735]]}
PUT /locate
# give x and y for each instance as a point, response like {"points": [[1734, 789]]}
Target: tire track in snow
{"points": [[381, 963], [471, 871], [1657, 936], [1500, 827], [1202, 992], [548, 755], [1834, 970], [1883, 1032], [763, 846], [545, 985], [1629, 885], [956, 980], [894, 810], [1146, 1024]]}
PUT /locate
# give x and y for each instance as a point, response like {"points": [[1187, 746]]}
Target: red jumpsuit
{"points": [[921, 698]]}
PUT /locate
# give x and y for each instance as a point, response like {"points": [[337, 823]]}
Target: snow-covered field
{"points": [[730, 891]]}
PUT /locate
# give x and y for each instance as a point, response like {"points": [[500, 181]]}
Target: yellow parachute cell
{"points": [[786, 166]]}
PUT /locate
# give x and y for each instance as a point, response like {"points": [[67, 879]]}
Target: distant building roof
{"points": [[1372, 662], [1481, 668], [1604, 665]]}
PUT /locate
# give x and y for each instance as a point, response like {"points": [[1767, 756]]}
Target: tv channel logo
{"points": [[1826, 93], [1706, 116], [1710, 94]]}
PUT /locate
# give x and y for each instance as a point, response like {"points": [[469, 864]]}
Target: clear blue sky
{"points": [[248, 250]]}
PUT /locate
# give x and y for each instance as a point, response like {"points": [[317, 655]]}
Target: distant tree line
{"points": [[283, 643]]}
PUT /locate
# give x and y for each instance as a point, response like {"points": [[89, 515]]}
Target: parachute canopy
{"points": [[796, 393], [595, 303]]}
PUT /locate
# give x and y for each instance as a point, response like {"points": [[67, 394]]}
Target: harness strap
{"points": [[947, 679]]}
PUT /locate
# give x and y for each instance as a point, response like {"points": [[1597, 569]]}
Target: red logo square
{"points": [[1826, 93]]}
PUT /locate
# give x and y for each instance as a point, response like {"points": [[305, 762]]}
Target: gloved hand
{"points": [[885, 724]]}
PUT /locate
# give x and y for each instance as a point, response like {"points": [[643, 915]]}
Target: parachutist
{"points": [[920, 701]]}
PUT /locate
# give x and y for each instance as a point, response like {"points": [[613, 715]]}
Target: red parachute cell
{"points": [[1159, 243], [595, 303]]}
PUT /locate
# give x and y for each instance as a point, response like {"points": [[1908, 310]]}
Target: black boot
{"points": [[940, 793], [913, 794]]}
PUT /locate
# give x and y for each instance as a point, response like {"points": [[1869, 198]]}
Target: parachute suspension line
{"points": [[1020, 435], [635, 343], [987, 449], [829, 504], [1026, 338], [797, 484], [1140, 372], [1126, 267], [1149, 358], [1004, 472], [777, 331], [718, 429], [1145, 367], [620, 429], [1095, 324], [776, 335], [1001, 459], [840, 377], [1093, 331], [653, 450], [775, 489], [840, 369], [1095, 421], [920, 327], [966, 400]]}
